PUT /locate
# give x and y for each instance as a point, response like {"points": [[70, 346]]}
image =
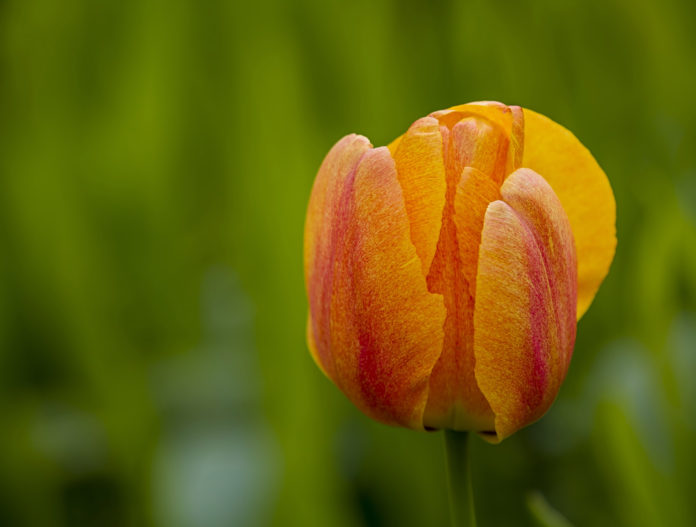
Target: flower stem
{"points": [[459, 479]]}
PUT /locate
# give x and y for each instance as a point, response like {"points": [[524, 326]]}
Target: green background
{"points": [[156, 158]]}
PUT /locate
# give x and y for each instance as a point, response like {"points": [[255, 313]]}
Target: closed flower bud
{"points": [[446, 272]]}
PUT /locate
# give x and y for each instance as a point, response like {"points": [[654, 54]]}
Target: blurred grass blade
{"points": [[543, 514]]}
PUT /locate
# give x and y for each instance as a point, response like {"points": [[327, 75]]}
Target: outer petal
{"points": [[581, 185], [386, 327], [535, 203], [420, 166], [322, 237], [524, 319]]}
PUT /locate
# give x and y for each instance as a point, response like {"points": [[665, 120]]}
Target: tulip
{"points": [[446, 272]]}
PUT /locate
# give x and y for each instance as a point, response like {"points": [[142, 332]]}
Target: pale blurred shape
{"points": [[216, 464]]}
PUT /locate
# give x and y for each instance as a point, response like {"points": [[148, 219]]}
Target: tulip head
{"points": [[446, 272]]}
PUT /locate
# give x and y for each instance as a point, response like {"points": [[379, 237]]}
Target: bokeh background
{"points": [[156, 158]]}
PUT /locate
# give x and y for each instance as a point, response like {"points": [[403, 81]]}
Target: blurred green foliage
{"points": [[155, 163]]}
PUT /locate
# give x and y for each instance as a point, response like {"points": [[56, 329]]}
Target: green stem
{"points": [[461, 493]]}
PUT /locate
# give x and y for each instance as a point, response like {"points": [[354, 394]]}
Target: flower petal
{"points": [[495, 132], [524, 318], [455, 400], [386, 327], [421, 172], [323, 231], [476, 142], [394, 145], [495, 112], [535, 202], [581, 185], [475, 192]]}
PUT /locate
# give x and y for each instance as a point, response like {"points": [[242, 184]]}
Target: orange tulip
{"points": [[446, 272]]}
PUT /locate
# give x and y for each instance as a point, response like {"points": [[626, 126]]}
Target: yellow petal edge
{"points": [[577, 179]]}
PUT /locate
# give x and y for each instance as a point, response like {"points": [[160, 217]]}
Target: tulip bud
{"points": [[446, 272]]}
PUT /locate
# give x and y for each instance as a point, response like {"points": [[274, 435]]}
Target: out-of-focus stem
{"points": [[461, 494]]}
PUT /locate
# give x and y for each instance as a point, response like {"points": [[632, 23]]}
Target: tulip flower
{"points": [[446, 272]]}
